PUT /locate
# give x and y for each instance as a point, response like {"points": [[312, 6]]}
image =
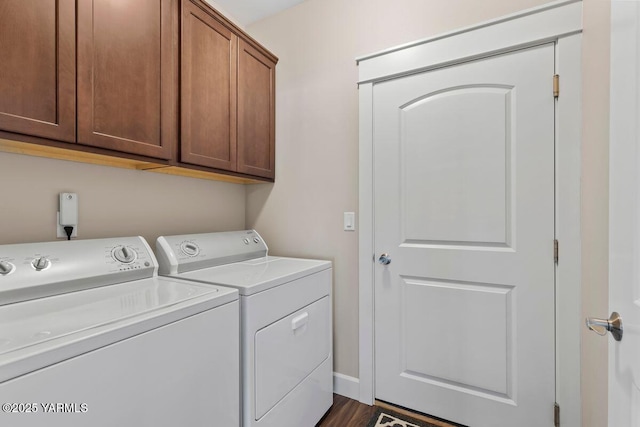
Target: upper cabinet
{"points": [[228, 96], [209, 88], [127, 77], [256, 112], [170, 84], [38, 68]]}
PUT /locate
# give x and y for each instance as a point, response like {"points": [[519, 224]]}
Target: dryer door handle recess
{"points": [[299, 321]]}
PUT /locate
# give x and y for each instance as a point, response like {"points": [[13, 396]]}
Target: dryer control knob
{"points": [[190, 249], [5, 268], [40, 263], [124, 254]]}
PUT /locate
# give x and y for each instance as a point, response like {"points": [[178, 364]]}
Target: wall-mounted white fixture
{"points": [[349, 221], [68, 216]]}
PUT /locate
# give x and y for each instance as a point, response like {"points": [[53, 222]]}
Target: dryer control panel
{"points": [[36, 270], [188, 252]]}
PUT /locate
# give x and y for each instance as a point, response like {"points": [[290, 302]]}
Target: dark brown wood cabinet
{"points": [[127, 76], [208, 90], [256, 112], [227, 94], [168, 85], [37, 68]]}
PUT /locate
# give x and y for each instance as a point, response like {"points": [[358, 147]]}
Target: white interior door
{"points": [[624, 220], [464, 208]]}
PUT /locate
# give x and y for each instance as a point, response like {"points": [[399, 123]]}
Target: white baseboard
{"points": [[346, 386]]}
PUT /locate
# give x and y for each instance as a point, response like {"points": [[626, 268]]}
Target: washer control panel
{"points": [[35, 270]]}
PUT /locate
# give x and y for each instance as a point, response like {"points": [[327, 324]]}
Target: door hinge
{"points": [[556, 86], [556, 415], [555, 251]]}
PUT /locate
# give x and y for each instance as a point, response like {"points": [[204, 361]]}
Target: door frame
{"points": [[559, 22]]}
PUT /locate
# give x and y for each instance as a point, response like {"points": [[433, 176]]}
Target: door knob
{"points": [[600, 326], [384, 259]]}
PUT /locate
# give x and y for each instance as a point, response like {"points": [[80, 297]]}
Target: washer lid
{"points": [[257, 275], [40, 332]]}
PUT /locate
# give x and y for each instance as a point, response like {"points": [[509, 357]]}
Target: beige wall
{"points": [[317, 138], [595, 206], [112, 202]]}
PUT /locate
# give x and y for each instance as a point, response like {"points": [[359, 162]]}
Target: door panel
{"points": [[470, 309], [256, 112], [624, 211], [37, 68], [471, 159], [464, 204], [208, 110], [126, 77]]}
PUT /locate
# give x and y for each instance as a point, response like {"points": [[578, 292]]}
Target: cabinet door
{"points": [[126, 76], [208, 90], [37, 68], [256, 112]]}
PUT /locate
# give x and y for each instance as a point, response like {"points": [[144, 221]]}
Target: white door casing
{"points": [[464, 179], [624, 211], [559, 23]]}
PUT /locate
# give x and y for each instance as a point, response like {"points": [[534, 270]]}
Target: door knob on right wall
{"points": [[601, 326]]}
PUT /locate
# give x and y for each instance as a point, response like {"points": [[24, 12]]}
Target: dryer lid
{"points": [[257, 275]]}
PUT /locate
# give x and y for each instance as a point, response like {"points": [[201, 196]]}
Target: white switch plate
{"points": [[349, 221]]}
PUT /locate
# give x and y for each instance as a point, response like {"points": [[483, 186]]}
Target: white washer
{"points": [[91, 336], [286, 325]]}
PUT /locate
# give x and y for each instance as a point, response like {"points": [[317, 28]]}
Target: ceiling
{"points": [[249, 11]]}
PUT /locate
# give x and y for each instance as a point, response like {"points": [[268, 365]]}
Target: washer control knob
{"points": [[124, 254], [246, 241], [190, 249], [5, 268], [40, 263], [256, 240]]}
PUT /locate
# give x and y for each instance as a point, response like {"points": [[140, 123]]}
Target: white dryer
{"points": [[286, 321], [91, 336]]}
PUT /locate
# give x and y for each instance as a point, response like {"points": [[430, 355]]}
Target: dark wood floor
{"points": [[346, 412]]}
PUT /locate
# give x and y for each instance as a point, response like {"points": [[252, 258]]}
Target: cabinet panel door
{"points": [[126, 76], [256, 112], [37, 68], [208, 90]]}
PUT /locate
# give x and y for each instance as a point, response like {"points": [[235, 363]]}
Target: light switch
{"points": [[349, 221]]}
